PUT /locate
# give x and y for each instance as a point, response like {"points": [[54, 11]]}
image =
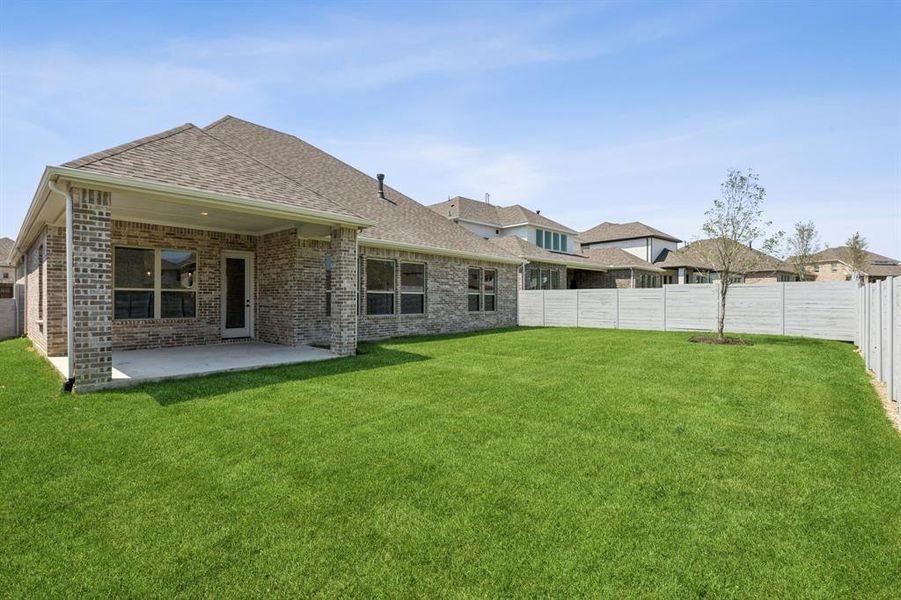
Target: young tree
{"points": [[800, 246], [857, 254], [733, 224]]}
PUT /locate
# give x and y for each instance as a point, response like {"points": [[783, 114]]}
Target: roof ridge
{"points": [[90, 159], [273, 169], [316, 148]]}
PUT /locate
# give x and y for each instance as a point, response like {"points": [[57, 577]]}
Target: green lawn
{"points": [[515, 463]]}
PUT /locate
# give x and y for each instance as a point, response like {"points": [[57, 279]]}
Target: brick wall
{"points": [[205, 328], [34, 276], [278, 284], [446, 298], [92, 275], [344, 325]]}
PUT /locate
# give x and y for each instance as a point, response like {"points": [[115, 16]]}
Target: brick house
{"points": [[234, 231], [7, 270], [696, 263], [833, 264]]}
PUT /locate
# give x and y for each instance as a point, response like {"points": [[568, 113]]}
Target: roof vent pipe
{"points": [[487, 198], [381, 178]]}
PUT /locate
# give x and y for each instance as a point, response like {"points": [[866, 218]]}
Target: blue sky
{"points": [[589, 112]]}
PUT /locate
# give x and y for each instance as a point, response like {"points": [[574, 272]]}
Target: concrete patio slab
{"points": [[139, 366]]}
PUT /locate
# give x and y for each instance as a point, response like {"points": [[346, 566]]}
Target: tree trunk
{"points": [[722, 316]]}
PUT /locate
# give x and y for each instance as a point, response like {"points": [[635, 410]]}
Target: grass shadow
{"points": [[176, 391]]}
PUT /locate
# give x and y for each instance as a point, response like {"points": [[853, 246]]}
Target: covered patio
{"points": [[131, 367]]}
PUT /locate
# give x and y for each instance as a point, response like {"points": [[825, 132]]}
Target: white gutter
{"points": [[438, 251], [70, 282]]}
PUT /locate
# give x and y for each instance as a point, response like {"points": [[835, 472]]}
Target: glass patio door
{"points": [[237, 294]]}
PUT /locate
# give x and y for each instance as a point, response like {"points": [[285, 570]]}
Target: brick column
{"points": [[344, 292], [93, 295]]}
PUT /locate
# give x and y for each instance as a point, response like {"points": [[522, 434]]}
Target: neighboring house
{"points": [[696, 263], [200, 235], [636, 238], [833, 264], [625, 270], [547, 270], [7, 270], [489, 221]]}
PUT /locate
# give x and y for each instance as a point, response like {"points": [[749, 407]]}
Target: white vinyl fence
{"points": [[8, 318], [879, 334], [826, 310]]}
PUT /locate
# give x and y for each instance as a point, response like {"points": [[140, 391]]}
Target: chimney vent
{"points": [[487, 198], [381, 178]]}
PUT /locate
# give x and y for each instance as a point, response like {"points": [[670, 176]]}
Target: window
{"points": [[834, 267], [412, 288], [534, 282], [328, 285], [489, 290], [379, 287], [556, 241], [816, 268], [545, 279], [563, 243], [177, 297], [151, 284], [474, 288], [539, 238], [555, 279]]}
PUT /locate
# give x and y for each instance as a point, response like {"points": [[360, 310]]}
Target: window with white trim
{"points": [[380, 286], [412, 288], [154, 283]]}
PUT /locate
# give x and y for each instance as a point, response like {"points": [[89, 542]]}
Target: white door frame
{"points": [[247, 330]]}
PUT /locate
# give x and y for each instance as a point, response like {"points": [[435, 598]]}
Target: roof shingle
{"points": [[398, 218], [6, 249], [468, 209], [610, 232]]}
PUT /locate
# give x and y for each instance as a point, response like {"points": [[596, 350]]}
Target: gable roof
{"points": [[617, 258], [189, 157], [6, 249], [399, 220], [528, 251], [467, 209], [699, 255], [611, 232]]}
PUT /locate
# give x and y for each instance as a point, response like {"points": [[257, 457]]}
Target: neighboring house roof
{"points": [[528, 251], [399, 220], [6, 248], [617, 258], [611, 232], [880, 266], [700, 255], [187, 156], [467, 209]]}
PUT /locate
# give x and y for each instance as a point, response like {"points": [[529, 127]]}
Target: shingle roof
{"points": [[189, 157], [6, 248], [609, 232], [617, 258], [699, 255], [841, 253], [527, 250], [468, 209], [398, 218]]}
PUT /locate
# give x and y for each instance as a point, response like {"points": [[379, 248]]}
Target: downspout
{"points": [[70, 287]]}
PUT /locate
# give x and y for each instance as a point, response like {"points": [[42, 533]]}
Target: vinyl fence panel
{"points": [[561, 308], [598, 308], [824, 309], [691, 307], [530, 308], [8, 318], [755, 308], [641, 309]]}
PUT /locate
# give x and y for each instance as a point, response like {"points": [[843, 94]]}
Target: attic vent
{"points": [[381, 178]]}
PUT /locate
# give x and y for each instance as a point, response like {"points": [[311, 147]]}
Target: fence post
{"points": [[616, 311], [866, 325], [577, 308], [890, 324], [664, 308], [543, 308], [782, 307]]}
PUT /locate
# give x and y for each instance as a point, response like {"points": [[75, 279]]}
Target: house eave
{"points": [[174, 193], [392, 245]]}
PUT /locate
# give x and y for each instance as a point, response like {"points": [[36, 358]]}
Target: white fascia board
{"points": [[389, 245]]}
